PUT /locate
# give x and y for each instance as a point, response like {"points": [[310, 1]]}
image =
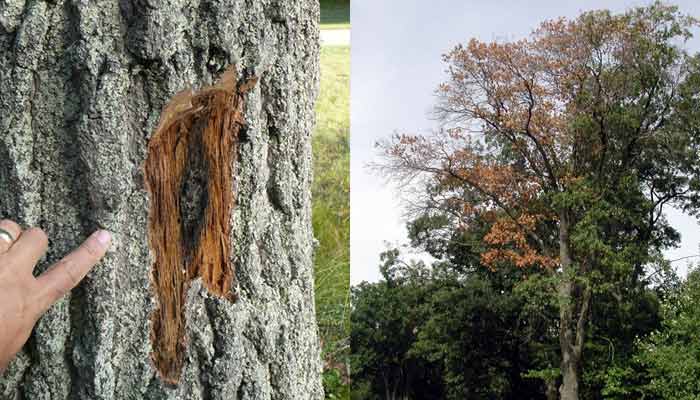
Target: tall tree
{"points": [[571, 143], [221, 192]]}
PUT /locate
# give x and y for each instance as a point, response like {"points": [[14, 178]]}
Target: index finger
{"points": [[69, 271]]}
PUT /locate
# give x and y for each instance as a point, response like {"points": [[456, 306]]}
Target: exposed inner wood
{"points": [[189, 176]]}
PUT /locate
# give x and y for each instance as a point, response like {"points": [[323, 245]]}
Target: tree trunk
{"points": [[551, 390], [571, 331], [570, 378], [82, 87], [387, 393]]}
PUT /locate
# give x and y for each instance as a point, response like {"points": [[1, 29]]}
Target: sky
{"points": [[396, 66]]}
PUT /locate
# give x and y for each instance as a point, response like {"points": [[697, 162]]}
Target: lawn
{"points": [[331, 215], [335, 14]]}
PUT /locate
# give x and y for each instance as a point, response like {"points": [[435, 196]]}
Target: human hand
{"points": [[24, 298]]}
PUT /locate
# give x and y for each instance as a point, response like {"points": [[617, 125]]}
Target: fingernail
{"points": [[103, 237]]}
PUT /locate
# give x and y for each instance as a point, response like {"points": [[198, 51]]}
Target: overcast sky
{"points": [[396, 49]]}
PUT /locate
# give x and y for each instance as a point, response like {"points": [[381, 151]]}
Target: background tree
{"points": [[385, 322], [570, 143], [439, 333], [82, 86], [476, 333], [666, 363]]}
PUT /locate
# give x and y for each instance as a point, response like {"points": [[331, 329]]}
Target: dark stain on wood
{"points": [[189, 176]]}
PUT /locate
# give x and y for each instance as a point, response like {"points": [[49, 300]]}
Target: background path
{"points": [[335, 37]]}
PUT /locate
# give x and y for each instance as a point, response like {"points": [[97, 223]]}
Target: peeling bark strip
{"points": [[189, 177]]}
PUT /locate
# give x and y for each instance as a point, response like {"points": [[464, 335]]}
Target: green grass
{"points": [[335, 14], [331, 216]]}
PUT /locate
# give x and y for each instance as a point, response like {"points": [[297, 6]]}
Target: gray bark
{"points": [[569, 361], [573, 314], [82, 85], [551, 390]]}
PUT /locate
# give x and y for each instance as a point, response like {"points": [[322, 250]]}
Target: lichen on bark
{"points": [[82, 85]]}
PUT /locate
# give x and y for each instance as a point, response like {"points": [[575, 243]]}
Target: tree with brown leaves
{"points": [[570, 142]]}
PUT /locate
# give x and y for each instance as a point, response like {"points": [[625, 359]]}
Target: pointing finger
{"points": [[69, 271]]}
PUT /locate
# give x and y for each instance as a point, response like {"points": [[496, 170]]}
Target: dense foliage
{"points": [[456, 331], [666, 363], [335, 14]]}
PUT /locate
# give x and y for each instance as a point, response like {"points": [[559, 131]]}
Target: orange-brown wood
{"points": [[196, 130]]}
